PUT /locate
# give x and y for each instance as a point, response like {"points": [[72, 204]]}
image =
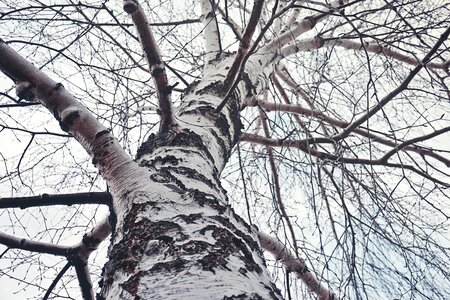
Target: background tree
{"points": [[323, 124]]}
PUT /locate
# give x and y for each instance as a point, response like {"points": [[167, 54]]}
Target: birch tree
{"points": [[279, 149]]}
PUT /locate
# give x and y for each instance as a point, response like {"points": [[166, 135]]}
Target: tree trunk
{"points": [[176, 237]]}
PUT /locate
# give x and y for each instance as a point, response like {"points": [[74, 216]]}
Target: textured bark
{"points": [[176, 236]]}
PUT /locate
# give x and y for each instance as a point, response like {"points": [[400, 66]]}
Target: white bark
{"points": [[210, 31], [177, 238], [297, 265]]}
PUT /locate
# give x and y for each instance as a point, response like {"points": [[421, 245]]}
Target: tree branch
{"points": [[379, 49], [33, 246], [156, 65], [276, 182], [396, 91], [74, 118], [244, 43], [306, 24], [297, 265], [211, 31], [304, 146], [84, 277], [77, 255], [237, 30], [56, 199], [57, 279], [405, 146]]}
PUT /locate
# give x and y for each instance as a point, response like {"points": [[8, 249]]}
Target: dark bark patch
{"points": [[165, 176], [104, 141], [138, 232], [229, 225], [25, 90], [252, 296], [132, 284], [227, 244], [163, 160], [191, 87], [185, 138], [191, 173], [221, 143], [194, 247], [214, 88], [100, 133], [68, 120], [191, 218], [220, 121], [273, 291], [177, 265], [206, 199], [251, 90]]}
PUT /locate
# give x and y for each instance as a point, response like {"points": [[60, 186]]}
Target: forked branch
{"points": [[365, 132], [77, 255]]}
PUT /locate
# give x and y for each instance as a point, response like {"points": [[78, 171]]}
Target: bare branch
{"points": [[306, 24], [304, 146], [84, 277], [57, 279], [405, 146], [152, 53], [211, 31], [29, 245], [396, 91], [72, 116], [380, 49], [244, 44], [56, 199], [296, 265], [237, 30], [276, 183]]}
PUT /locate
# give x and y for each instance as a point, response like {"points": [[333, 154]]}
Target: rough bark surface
{"points": [[175, 233]]}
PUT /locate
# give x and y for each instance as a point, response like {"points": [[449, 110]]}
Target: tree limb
{"points": [[84, 277], [304, 146], [379, 49], [56, 199], [156, 64], [297, 265], [405, 146], [396, 91], [74, 118], [57, 279], [244, 43], [211, 31], [276, 182], [33, 246]]}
